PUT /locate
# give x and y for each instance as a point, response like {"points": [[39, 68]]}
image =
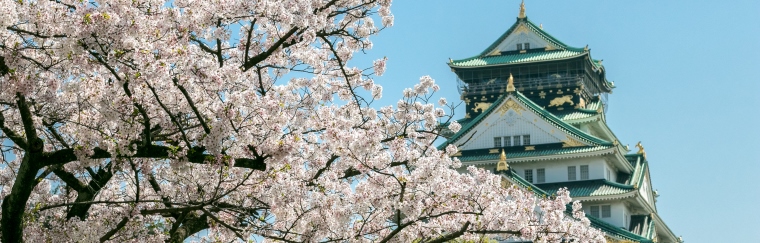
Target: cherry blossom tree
{"points": [[148, 120]]}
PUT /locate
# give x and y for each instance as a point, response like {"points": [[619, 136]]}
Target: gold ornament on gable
{"points": [[570, 142], [510, 105], [511, 83], [502, 165], [641, 149]]}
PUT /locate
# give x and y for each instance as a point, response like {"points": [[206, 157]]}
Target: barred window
{"points": [[606, 211], [541, 174], [584, 172], [526, 139], [497, 142], [529, 175], [527, 46], [519, 46], [571, 173], [516, 141], [507, 141], [594, 211]]}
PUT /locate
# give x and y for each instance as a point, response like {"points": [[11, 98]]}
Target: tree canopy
{"points": [[147, 120]]}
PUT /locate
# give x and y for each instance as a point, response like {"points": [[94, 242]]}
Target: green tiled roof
{"points": [[588, 188], [516, 58], [607, 228], [562, 51], [591, 110], [533, 27], [639, 168], [541, 112], [574, 115], [616, 231], [534, 153], [517, 179]]}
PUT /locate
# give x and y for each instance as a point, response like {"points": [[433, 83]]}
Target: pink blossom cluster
{"points": [[147, 120]]}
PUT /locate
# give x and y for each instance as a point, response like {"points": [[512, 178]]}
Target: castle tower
{"points": [[542, 102]]}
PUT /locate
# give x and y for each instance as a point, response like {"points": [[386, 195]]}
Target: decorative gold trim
{"points": [[530, 148], [570, 142], [483, 106], [559, 101], [502, 165], [521, 29], [495, 52], [510, 105], [457, 154], [505, 183], [560, 91], [581, 104], [493, 151], [522, 10], [511, 83], [542, 94], [641, 150]]}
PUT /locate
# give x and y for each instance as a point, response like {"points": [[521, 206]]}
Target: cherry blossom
{"points": [[146, 120]]}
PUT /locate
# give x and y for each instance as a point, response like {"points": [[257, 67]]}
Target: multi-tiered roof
{"points": [[529, 82]]}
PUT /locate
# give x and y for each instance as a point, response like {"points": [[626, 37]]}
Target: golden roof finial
{"points": [[502, 165], [510, 83], [522, 10], [641, 149], [585, 48]]}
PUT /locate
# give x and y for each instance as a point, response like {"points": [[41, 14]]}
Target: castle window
{"points": [[529, 175], [519, 46], [541, 174], [497, 142], [507, 141], [606, 211], [527, 46], [584, 172], [571, 173], [526, 139], [516, 141], [594, 211]]}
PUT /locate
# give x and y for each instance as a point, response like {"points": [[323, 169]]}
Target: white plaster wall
{"points": [[613, 172], [618, 212], [512, 123], [644, 190], [510, 43], [556, 170]]}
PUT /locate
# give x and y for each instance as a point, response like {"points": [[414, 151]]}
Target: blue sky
{"points": [[686, 73]]}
